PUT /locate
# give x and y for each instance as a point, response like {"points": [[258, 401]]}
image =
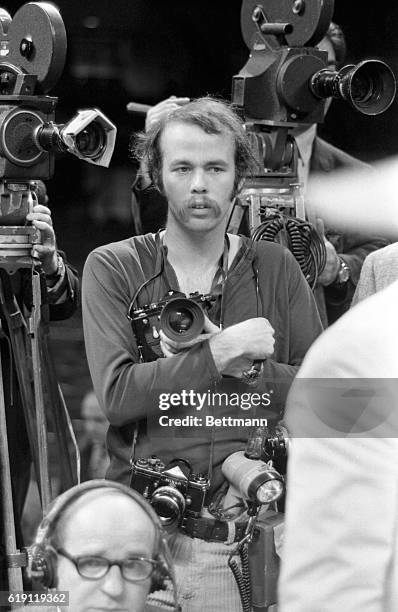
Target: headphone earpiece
{"points": [[42, 565], [160, 577]]}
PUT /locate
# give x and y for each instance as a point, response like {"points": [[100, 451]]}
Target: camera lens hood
{"points": [[182, 319], [169, 504]]}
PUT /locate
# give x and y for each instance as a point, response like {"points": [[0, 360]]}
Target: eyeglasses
{"points": [[133, 569]]}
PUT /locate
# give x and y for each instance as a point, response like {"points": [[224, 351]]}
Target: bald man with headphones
{"points": [[103, 544]]}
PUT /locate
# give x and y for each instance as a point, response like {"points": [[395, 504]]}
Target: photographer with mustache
{"points": [[197, 156], [345, 251]]}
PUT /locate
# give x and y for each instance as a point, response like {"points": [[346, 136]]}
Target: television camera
{"points": [[32, 56], [284, 85]]}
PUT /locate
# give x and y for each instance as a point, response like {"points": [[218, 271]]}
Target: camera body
{"points": [[181, 319], [273, 87], [20, 155], [269, 444], [174, 490]]}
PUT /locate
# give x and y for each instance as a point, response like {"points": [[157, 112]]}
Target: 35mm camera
{"points": [[173, 490], [181, 318]]}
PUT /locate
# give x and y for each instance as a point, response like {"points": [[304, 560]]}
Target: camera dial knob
{"points": [[26, 47]]}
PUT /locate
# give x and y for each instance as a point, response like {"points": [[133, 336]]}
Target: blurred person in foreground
{"points": [[341, 546], [345, 251], [347, 199], [98, 562], [263, 309]]}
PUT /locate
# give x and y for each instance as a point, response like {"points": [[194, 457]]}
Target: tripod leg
{"points": [[14, 573], [45, 486], [16, 325], [59, 417]]}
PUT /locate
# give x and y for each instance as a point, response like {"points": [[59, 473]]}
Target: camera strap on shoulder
{"points": [[157, 272]]}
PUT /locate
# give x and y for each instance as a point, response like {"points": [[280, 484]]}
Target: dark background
{"points": [[143, 51]]}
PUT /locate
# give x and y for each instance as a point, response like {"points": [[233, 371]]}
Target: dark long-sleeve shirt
{"points": [[263, 280]]}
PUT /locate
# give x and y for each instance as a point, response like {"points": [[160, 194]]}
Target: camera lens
{"points": [[369, 87], [166, 509], [363, 88], [181, 320], [270, 491], [90, 142], [169, 505]]}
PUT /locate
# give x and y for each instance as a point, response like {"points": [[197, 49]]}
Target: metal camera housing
{"points": [[285, 85], [286, 79], [181, 318], [174, 491], [33, 51], [32, 56]]}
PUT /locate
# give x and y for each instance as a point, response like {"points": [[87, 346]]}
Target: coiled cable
{"points": [[300, 237], [242, 578]]}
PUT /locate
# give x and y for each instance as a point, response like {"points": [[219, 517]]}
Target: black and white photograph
{"points": [[198, 306]]}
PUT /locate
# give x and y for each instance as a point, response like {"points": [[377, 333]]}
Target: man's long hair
{"points": [[213, 117]]}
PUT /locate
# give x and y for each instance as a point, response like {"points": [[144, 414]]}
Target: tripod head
{"points": [[32, 55]]}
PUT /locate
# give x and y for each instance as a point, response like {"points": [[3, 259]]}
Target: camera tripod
{"points": [[24, 348], [34, 46]]}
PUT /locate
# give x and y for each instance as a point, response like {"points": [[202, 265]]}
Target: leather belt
{"points": [[212, 530]]}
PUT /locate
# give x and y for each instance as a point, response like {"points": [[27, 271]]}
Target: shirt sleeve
{"points": [[367, 282], [300, 329], [127, 389], [353, 248], [64, 296]]}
